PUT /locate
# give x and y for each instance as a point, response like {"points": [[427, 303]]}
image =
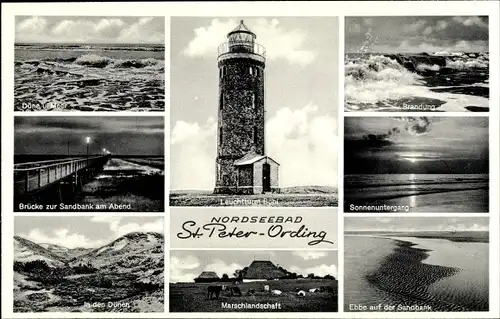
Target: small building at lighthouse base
{"points": [[251, 174]]}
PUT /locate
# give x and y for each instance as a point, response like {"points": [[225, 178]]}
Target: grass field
{"points": [[310, 196], [192, 297]]}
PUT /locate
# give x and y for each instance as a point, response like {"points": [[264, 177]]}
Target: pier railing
{"points": [[32, 176]]}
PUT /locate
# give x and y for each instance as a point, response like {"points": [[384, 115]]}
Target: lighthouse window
{"points": [[251, 70], [255, 135], [221, 101], [253, 101]]}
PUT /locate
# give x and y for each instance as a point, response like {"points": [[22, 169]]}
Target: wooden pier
{"points": [[36, 177]]}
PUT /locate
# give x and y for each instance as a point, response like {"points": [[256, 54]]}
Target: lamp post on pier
{"points": [[87, 139]]}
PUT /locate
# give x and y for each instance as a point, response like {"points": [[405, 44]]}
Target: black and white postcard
{"points": [[417, 63], [89, 164], [253, 281], [416, 264], [88, 264], [416, 164], [80, 63], [254, 111]]}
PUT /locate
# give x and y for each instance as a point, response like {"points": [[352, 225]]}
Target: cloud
{"points": [[304, 141], [119, 229], [32, 25], [221, 267], [421, 34], [280, 43], [320, 270], [182, 269], [91, 30], [406, 46], [193, 155], [354, 28], [62, 237], [416, 125], [300, 140], [414, 27], [309, 255], [471, 21]]}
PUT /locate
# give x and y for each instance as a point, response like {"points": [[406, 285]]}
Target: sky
{"points": [[187, 265], [80, 231], [417, 34], [74, 29], [417, 223], [301, 97], [416, 145], [131, 135]]}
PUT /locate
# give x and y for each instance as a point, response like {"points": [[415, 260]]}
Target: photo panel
{"points": [[87, 264], [416, 264], [74, 163], [417, 64], [89, 63], [253, 281], [254, 111], [416, 164]]}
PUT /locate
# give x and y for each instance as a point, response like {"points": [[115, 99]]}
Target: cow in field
{"points": [[276, 292], [214, 291], [301, 293], [314, 290], [266, 288], [326, 289]]}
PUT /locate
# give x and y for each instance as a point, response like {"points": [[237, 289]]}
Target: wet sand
{"points": [[126, 183], [403, 275], [469, 287], [471, 201]]}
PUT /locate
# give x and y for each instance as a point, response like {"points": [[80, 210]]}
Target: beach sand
{"points": [[469, 286], [471, 201], [429, 274]]}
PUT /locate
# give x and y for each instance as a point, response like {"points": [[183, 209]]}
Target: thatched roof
{"points": [[263, 270], [208, 275]]}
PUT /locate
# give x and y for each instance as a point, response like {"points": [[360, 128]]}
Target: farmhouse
{"points": [[261, 270], [207, 276]]}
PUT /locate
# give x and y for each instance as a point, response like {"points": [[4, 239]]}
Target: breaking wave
{"points": [[379, 79], [96, 61]]}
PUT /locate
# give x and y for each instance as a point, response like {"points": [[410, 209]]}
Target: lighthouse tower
{"points": [[241, 164]]}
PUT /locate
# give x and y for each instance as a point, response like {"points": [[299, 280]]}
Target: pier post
{"points": [[27, 181]]}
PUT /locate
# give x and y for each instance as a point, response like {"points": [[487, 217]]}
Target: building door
{"points": [[266, 177]]}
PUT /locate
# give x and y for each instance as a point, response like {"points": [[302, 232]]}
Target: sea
{"points": [[467, 288], [89, 77], [436, 82], [420, 192]]}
